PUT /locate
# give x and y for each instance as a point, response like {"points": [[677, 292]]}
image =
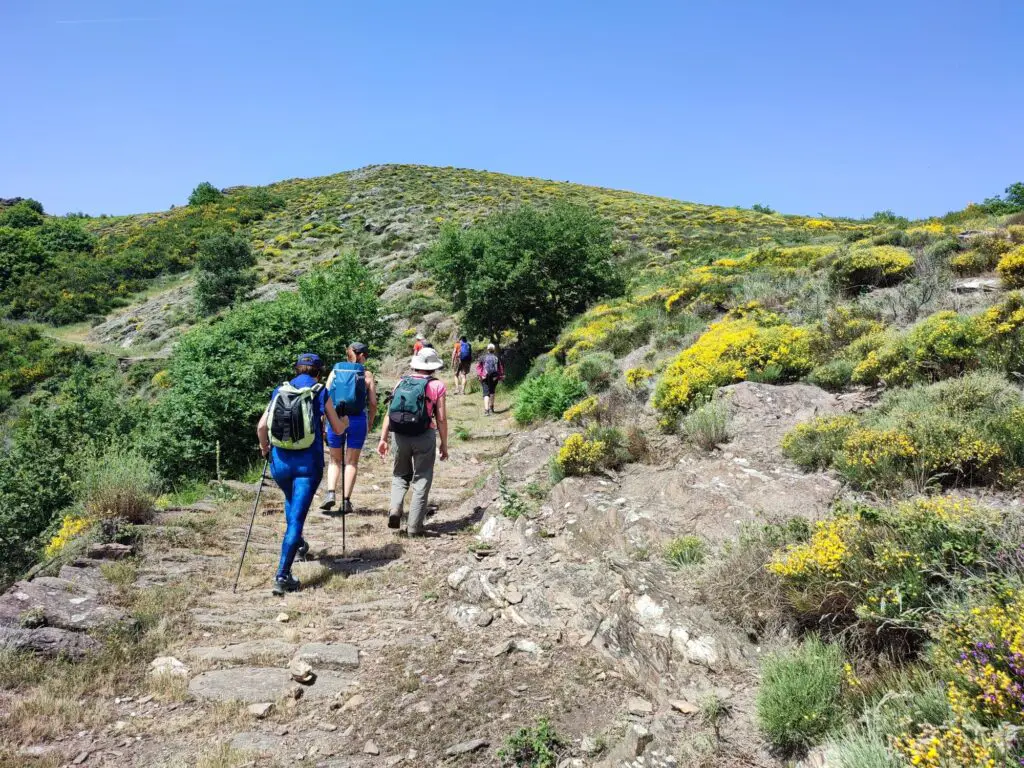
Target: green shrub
{"points": [[834, 375], [801, 697], [970, 263], [708, 425], [596, 370], [814, 445], [685, 550], [547, 396], [539, 746], [204, 193], [21, 215], [224, 272], [861, 269], [942, 249], [222, 372], [118, 484], [527, 271]]}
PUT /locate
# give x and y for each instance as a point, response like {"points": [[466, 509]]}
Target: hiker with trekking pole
{"points": [[353, 391], [291, 434], [417, 421]]}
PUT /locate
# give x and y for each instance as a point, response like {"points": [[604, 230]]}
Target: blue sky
{"points": [[840, 108]]}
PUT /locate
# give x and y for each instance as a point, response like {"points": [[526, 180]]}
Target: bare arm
{"points": [[384, 446], [441, 415], [263, 433], [371, 394], [338, 423]]}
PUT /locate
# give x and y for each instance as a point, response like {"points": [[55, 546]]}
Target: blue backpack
{"points": [[348, 389], [465, 351]]}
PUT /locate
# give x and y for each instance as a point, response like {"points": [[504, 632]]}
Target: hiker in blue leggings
{"points": [[297, 454]]}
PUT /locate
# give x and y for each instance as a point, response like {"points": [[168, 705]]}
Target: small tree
{"points": [[1015, 195], [527, 271], [204, 193], [224, 272], [26, 213]]}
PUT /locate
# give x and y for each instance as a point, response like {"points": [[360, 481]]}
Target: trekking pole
{"points": [[344, 498], [252, 520]]}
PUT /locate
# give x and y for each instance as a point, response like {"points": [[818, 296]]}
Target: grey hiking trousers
{"points": [[414, 463]]}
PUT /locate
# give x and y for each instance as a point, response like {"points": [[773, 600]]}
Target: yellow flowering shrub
{"points": [[819, 224], [730, 351], [579, 456], [951, 746], [1011, 268], [637, 378], [584, 410], [70, 527], [709, 285], [860, 269], [970, 263], [1016, 233], [823, 554]]}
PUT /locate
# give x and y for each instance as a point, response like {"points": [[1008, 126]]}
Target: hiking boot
{"points": [[346, 507], [285, 584], [303, 551], [394, 520], [328, 502]]}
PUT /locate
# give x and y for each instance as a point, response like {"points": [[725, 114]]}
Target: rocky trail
{"points": [[432, 651]]}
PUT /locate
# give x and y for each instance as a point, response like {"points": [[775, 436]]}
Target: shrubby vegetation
{"points": [[547, 395], [526, 271], [221, 374], [224, 272]]}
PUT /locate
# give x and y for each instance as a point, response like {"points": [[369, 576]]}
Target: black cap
{"points": [[358, 348]]}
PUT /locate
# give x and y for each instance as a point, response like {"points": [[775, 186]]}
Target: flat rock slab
{"points": [[64, 604], [48, 641], [253, 685], [328, 655], [85, 573], [241, 653]]}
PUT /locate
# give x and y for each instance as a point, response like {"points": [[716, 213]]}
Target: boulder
{"points": [[63, 604], [50, 642]]}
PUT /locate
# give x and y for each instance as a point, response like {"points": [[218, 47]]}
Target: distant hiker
{"points": [[462, 359], [490, 370], [420, 343], [291, 432], [353, 391], [417, 416]]}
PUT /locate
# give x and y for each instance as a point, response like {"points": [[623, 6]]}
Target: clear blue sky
{"points": [[845, 108]]}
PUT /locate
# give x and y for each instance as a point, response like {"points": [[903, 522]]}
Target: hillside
{"points": [[756, 504]]}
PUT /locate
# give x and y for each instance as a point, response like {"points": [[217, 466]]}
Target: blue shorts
{"points": [[356, 434]]}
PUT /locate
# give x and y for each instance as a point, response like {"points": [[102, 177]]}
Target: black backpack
{"points": [[491, 365]]}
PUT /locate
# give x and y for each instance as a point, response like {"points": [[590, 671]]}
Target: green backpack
{"points": [[290, 417], [408, 414]]}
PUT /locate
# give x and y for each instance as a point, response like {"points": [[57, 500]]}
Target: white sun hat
{"points": [[426, 360]]}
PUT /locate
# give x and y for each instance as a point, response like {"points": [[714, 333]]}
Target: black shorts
{"points": [[489, 384], [463, 367]]}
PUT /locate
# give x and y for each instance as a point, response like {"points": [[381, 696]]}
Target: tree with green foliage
{"points": [[204, 193], [221, 373], [1012, 202], [528, 271], [26, 213], [224, 272]]}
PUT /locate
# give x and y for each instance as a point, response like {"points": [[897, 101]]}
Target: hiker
{"points": [[353, 391], [417, 417], [420, 343], [462, 359], [490, 370], [291, 432]]}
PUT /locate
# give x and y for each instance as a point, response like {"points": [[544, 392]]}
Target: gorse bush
{"points": [[221, 374], [548, 395], [729, 352], [118, 483], [958, 432], [580, 456], [1011, 268], [800, 701], [597, 370], [860, 269], [882, 571]]}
